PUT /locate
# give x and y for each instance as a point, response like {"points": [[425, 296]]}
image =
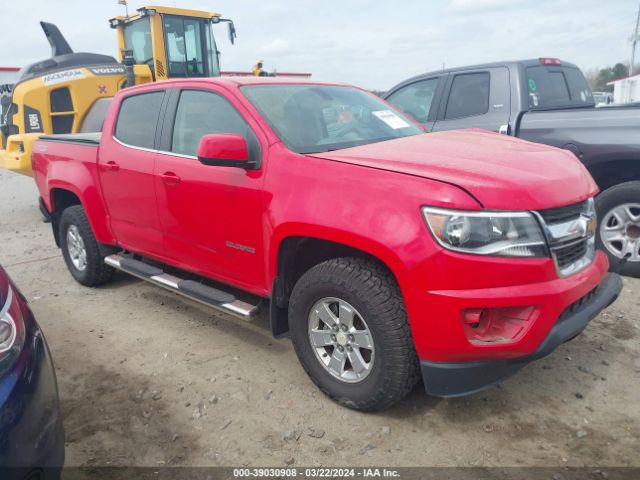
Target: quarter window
{"points": [[138, 118], [416, 99], [200, 113], [469, 95]]}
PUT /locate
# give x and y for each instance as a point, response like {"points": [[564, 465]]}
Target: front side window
{"points": [[137, 37], [183, 37], [312, 118], [469, 95], [138, 118], [200, 113], [416, 99]]}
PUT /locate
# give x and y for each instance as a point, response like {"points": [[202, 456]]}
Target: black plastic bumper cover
{"points": [[460, 379]]}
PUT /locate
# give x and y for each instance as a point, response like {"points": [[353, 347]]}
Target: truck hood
{"points": [[500, 172]]}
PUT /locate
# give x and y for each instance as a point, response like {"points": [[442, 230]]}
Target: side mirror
{"points": [[224, 150], [232, 32]]}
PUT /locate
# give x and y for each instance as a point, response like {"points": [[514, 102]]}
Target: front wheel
{"points": [[350, 331], [82, 253], [619, 232]]}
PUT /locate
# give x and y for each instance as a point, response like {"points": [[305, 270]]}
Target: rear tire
{"points": [[82, 253], [618, 210], [371, 294]]}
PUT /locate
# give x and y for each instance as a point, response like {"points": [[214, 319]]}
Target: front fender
{"points": [[330, 234], [371, 210]]}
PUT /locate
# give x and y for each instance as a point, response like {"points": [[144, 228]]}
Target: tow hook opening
{"points": [[497, 326]]}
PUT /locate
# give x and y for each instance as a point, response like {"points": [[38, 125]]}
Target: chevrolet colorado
{"points": [[387, 254], [545, 100]]}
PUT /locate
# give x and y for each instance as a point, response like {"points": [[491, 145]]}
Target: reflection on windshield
{"points": [[184, 46], [318, 118], [137, 37], [191, 49]]}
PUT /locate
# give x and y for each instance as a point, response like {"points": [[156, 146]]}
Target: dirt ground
{"points": [[148, 378]]}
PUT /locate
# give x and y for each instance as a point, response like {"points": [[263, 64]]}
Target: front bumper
{"points": [[457, 379], [31, 431]]}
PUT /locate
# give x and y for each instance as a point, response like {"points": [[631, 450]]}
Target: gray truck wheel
{"points": [[619, 226], [82, 253], [350, 331]]}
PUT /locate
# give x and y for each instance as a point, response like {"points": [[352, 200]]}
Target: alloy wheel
{"points": [[341, 339], [76, 248]]}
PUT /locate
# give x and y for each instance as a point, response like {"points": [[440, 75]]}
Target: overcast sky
{"points": [[371, 43]]}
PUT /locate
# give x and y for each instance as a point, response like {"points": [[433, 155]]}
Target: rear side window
{"points": [[94, 119], [200, 113], [469, 95], [416, 99], [551, 87], [138, 118]]}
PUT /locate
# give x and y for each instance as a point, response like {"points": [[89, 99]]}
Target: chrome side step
{"points": [[212, 297]]}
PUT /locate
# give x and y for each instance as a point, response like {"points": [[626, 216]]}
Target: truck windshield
{"points": [[321, 118], [557, 87]]}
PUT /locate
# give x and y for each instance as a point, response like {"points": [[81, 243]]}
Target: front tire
{"points": [[350, 331], [82, 253], [619, 226]]}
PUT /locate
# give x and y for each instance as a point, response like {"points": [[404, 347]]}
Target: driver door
{"points": [[211, 216]]}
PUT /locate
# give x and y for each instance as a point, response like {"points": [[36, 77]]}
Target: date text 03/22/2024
{"points": [[316, 473]]}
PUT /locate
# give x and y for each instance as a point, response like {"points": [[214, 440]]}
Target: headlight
{"points": [[509, 234], [12, 332]]}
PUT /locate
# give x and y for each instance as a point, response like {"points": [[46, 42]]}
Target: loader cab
{"points": [[171, 42], [69, 92]]}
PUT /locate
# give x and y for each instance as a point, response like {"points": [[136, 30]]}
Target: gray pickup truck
{"points": [[547, 101]]}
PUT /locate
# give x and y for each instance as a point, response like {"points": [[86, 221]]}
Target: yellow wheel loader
{"points": [[70, 92]]}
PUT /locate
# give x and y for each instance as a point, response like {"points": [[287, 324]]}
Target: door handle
{"points": [[170, 178], [111, 166]]}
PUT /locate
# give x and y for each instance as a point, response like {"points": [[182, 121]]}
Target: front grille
{"points": [[576, 305], [562, 214], [570, 252], [569, 232]]}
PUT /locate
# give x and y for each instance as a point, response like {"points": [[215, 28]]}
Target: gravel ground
{"points": [[147, 379]]}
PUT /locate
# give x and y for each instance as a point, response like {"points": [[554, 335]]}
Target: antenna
{"points": [[634, 40], [126, 6]]}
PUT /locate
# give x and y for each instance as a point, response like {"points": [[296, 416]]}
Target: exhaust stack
{"points": [[59, 45]]}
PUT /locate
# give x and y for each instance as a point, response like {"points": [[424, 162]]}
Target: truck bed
{"points": [[56, 158], [598, 134]]}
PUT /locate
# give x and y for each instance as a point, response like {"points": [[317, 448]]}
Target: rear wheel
{"points": [[619, 231], [82, 253], [350, 331]]}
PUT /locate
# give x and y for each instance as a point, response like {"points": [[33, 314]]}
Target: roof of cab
{"points": [[268, 81], [232, 82], [510, 64]]}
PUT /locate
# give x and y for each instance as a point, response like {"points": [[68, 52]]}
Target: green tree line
{"points": [[598, 77]]}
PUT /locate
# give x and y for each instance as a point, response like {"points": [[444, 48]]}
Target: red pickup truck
{"points": [[386, 253]]}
